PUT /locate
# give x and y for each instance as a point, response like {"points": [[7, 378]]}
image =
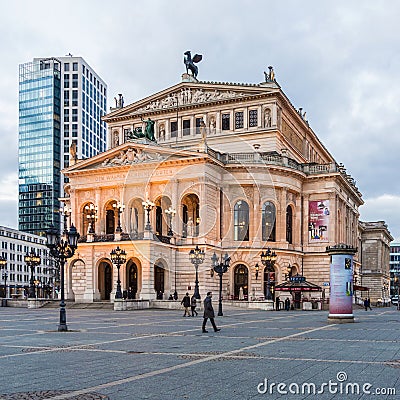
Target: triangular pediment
{"points": [[133, 153], [187, 94]]}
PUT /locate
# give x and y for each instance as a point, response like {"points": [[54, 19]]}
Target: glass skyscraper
{"points": [[61, 102]]}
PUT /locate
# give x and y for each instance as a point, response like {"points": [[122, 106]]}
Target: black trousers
{"points": [[193, 310], [212, 323]]}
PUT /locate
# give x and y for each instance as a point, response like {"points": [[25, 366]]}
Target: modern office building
{"points": [[61, 102], [394, 268], [16, 275]]}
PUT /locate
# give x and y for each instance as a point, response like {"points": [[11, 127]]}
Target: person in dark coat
{"points": [[287, 304], [366, 304], [186, 303], [209, 313], [369, 303], [193, 306], [277, 304]]}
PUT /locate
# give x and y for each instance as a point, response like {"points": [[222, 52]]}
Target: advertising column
{"points": [[341, 283]]}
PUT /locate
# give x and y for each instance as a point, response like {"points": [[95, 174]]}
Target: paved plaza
{"points": [[158, 354]]}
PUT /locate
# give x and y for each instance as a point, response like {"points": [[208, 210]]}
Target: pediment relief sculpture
{"points": [[188, 96], [131, 156]]}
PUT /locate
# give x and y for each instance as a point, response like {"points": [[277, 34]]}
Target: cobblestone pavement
{"points": [[158, 354]]}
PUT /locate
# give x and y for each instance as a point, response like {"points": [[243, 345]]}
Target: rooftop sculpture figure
{"points": [[189, 63]]}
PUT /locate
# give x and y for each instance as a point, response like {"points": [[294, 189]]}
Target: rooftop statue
{"points": [[189, 62]]}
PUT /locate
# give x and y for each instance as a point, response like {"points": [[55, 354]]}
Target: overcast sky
{"points": [[339, 60]]}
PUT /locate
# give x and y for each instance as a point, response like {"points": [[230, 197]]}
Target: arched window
{"points": [[268, 222], [289, 224], [241, 221]]}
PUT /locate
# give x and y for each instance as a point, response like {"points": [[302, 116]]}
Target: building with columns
{"points": [[244, 172]]}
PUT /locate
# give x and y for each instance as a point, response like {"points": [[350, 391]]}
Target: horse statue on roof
{"points": [[190, 62]]}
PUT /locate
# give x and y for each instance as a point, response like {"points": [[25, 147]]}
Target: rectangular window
{"points": [[66, 98], [75, 66], [253, 118], [198, 120], [74, 98], [66, 115], [186, 127], [75, 115], [226, 122], [66, 67], [174, 128], [239, 120], [74, 130]]}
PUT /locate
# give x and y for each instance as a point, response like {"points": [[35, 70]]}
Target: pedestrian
{"points": [[366, 304], [209, 313], [186, 303], [193, 306], [369, 303], [287, 304], [277, 304]]}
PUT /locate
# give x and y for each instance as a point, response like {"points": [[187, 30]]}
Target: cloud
{"points": [[383, 208]]}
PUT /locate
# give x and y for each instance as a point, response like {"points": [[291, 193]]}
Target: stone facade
{"points": [[374, 274], [243, 170]]}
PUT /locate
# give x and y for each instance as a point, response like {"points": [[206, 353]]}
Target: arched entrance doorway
{"points": [[241, 282], [271, 282], [132, 280], [159, 281], [105, 280]]}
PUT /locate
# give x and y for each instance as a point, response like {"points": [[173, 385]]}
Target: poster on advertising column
{"points": [[318, 221]]}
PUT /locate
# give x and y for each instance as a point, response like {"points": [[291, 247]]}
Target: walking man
{"points": [[209, 313], [193, 306], [186, 303]]}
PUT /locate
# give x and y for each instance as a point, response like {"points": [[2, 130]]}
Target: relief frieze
{"points": [[189, 96], [291, 136]]}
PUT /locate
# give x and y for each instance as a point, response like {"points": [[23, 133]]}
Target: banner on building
{"points": [[318, 221]]}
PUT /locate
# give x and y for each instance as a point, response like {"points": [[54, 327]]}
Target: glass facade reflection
{"points": [[39, 145]]}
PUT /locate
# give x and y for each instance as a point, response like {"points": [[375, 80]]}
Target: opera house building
{"points": [[209, 168]]}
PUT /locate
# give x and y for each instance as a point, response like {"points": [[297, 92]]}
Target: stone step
{"points": [[105, 305]]}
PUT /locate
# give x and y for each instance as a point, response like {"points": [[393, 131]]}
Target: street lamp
{"points": [[91, 215], [3, 265], [288, 274], [120, 209], [148, 206], [196, 257], [220, 268], [268, 259], [118, 257], [62, 248], [170, 213], [32, 260]]}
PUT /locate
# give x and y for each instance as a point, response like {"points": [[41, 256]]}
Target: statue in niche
{"points": [[189, 227], [267, 118], [161, 132], [212, 125], [115, 139]]}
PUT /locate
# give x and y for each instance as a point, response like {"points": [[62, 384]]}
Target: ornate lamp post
{"points": [[120, 209], [170, 213], [91, 215], [220, 268], [268, 259], [148, 206], [118, 257], [288, 274], [32, 260], [3, 265], [62, 248], [196, 257]]}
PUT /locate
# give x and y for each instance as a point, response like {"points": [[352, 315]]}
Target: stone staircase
{"points": [[97, 305]]}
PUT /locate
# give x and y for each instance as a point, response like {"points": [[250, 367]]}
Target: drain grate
{"points": [[393, 363], [59, 349], [48, 394], [234, 356]]}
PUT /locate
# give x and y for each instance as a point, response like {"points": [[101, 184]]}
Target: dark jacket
{"points": [[186, 301], [193, 301], [208, 308]]}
